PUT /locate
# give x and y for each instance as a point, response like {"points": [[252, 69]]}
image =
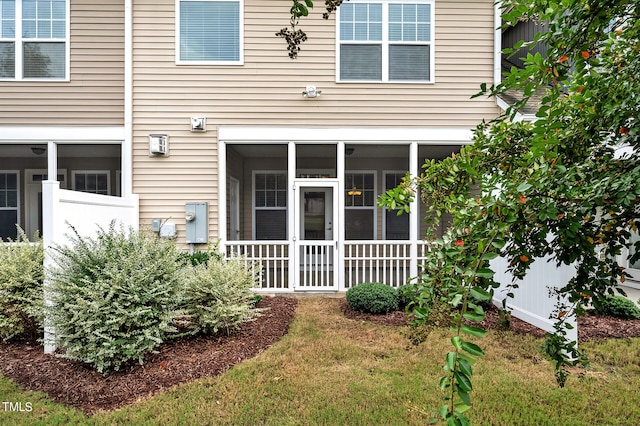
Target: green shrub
{"points": [[198, 257], [217, 296], [21, 288], [374, 298], [617, 306], [114, 296], [406, 295]]}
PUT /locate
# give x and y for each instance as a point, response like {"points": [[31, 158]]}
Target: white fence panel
{"points": [[85, 212], [532, 301]]}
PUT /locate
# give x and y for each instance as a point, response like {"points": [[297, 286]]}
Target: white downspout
{"points": [[497, 43], [127, 144]]}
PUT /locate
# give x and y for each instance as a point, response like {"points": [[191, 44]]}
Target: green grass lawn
{"points": [[330, 370]]}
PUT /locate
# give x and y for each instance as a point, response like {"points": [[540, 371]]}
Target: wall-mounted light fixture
{"points": [[158, 144], [198, 124], [311, 92], [349, 151], [354, 191], [38, 150]]}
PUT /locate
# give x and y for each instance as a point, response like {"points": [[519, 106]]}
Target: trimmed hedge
{"points": [[373, 298]]}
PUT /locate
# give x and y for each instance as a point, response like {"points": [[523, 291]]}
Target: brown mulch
{"points": [[177, 361], [589, 326], [188, 359]]}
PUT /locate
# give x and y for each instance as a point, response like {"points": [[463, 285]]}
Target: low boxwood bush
{"points": [[374, 298], [21, 288], [617, 306], [217, 296], [114, 296]]}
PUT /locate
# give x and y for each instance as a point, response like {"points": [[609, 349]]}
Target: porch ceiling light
{"points": [[38, 150], [311, 92], [354, 191]]}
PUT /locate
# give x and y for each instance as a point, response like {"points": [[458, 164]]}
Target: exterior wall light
{"points": [[311, 92]]}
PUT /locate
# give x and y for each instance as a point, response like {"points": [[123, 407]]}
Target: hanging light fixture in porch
{"points": [[354, 191]]}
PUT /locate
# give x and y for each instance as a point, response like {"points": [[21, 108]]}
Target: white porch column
{"points": [[291, 218], [414, 229], [52, 161], [339, 224], [222, 195]]}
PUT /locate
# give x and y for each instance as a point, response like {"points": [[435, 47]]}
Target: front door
{"points": [[315, 242]]}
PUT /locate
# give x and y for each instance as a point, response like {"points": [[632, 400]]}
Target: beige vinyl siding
{"points": [[267, 91], [94, 96]]}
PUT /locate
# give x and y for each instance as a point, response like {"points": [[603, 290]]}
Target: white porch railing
{"points": [[272, 257], [389, 262]]}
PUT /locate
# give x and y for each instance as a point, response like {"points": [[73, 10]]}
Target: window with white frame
{"points": [[93, 181], [209, 32], [8, 204], [360, 208], [385, 41], [270, 205], [633, 268], [33, 39], [396, 227]]}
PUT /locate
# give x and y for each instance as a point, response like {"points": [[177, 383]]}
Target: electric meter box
{"points": [[196, 223]]}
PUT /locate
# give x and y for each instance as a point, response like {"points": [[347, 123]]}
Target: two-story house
{"points": [[174, 102]]}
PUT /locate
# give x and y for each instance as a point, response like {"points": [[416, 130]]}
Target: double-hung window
{"points": [[8, 204], [385, 41], [94, 181], [209, 32], [33, 40], [270, 205]]}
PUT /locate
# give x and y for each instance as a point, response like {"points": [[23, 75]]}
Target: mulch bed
{"points": [[178, 361], [589, 326], [188, 359]]}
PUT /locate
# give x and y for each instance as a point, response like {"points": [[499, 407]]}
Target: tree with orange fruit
{"points": [[565, 187]]}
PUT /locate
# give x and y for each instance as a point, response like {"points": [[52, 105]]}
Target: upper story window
{"points": [[209, 32], [33, 40], [385, 41]]}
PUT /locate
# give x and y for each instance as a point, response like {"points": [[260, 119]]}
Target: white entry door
{"points": [[316, 247]]}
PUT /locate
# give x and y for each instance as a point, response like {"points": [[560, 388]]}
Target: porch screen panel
{"points": [[359, 224], [396, 227], [8, 205], [360, 194], [270, 224]]}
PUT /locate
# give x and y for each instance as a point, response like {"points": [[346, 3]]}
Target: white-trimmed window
{"points": [[9, 202], [396, 227], [270, 205], [385, 41], [93, 181], [360, 206], [209, 32], [34, 40], [633, 268]]}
